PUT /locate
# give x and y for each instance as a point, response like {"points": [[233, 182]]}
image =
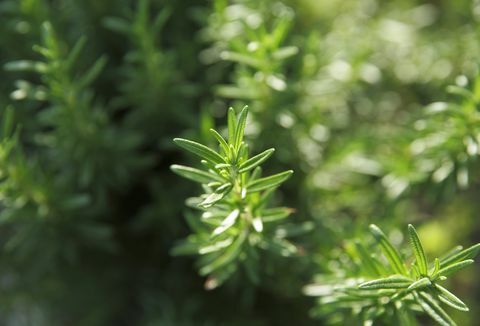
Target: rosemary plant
{"points": [[236, 219], [386, 290]]}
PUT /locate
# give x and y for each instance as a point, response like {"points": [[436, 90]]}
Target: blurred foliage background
{"points": [[374, 104]]}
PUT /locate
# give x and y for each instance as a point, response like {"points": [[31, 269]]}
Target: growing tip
{"points": [[375, 230]]}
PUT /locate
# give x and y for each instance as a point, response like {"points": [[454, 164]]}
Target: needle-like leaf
{"points": [[240, 130], [468, 253], [431, 307], [449, 298], [200, 150], [389, 250], [232, 125], [392, 282], [418, 251], [221, 140], [195, 174], [255, 160], [227, 222], [269, 182], [216, 196], [227, 256], [445, 271]]}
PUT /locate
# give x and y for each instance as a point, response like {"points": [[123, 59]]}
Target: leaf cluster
{"points": [[396, 291], [236, 219]]}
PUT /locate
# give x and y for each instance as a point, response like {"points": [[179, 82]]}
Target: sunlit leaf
{"points": [[255, 161], [200, 150], [450, 299], [391, 282], [418, 251], [269, 182], [388, 250]]}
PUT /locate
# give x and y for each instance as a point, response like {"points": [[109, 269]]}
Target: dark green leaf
{"points": [[92, 73], [8, 122], [185, 247], [75, 52], [227, 257], [280, 247]]}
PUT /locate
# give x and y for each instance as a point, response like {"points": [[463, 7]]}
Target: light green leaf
{"points": [[388, 250], [215, 246], [445, 271], [245, 93], [431, 307], [26, 65], [195, 174], [248, 60], [463, 92], [436, 267], [221, 141], [421, 283], [222, 166], [468, 253], [257, 224], [391, 282], [240, 130], [255, 160], [232, 125], [216, 196], [269, 182], [200, 150], [418, 251], [370, 264], [450, 299], [227, 257], [227, 222], [285, 52]]}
